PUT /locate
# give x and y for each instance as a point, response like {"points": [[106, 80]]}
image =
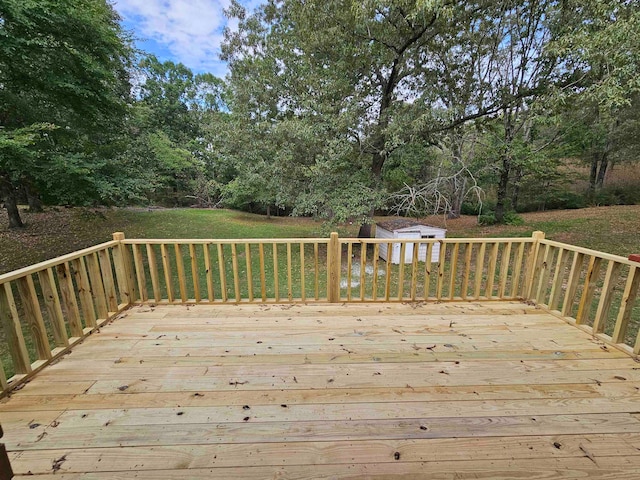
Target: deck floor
{"points": [[437, 391]]}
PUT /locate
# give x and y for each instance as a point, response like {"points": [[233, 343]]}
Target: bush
{"points": [[510, 218], [473, 208], [487, 219]]}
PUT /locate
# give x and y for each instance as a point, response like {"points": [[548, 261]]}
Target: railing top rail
{"points": [[438, 240], [222, 241], [22, 272], [594, 253]]}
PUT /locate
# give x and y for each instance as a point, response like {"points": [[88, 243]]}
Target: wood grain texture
{"points": [[458, 390]]}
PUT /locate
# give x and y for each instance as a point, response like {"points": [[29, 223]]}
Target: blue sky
{"points": [[187, 31]]}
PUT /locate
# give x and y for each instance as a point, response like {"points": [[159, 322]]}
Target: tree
{"points": [[385, 75], [173, 131], [356, 72], [63, 64], [599, 46]]}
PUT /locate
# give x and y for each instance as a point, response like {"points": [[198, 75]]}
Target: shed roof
{"points": [[403, 222]]}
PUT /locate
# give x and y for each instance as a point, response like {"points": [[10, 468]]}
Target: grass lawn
{"points": [[63, 230]]}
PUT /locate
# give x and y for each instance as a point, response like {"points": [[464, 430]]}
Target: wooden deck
{"points": [[438, 391]]}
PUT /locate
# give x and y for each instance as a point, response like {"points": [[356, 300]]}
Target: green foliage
{"points": [[64, 86], [510, 218]]}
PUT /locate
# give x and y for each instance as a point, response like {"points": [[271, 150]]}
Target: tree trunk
{"points": [[35, 204], [268, 211], [503, 183], [593, 174], [458, 198], [602, 171], [515, 195], [505, 170], [10, 203]]}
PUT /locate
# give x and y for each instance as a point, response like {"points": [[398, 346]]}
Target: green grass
{"points": [[59, 231]]}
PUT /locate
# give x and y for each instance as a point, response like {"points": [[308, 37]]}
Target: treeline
{"points": [[334, 109]]}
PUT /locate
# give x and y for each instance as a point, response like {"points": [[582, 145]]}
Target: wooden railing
{"points": [[47, 308], [593, 290], [333, 270]]}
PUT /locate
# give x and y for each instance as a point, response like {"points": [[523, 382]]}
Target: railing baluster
{"points": [[168, 277], [606, 296], [107, 280], [387, 283], [414, 270], [626, 307], [263, 277], [453, 269], [52, 304], [374, 282], [316, 267], [223, 273], [334, 263], [119, 260], [194, 273], [209, 272], [468, 252], [236, 273], [153, 272], [517, 269], [303, 293], [533, 265], [3, 386], [97, 286], [491, 270], [427, 270], [572, 285], [140, 273], [276, 284], [182, 279], [589, 289], [441, 264], [289, 274], [556, 287], [69, 301], [84, 292], [247, 255], [363, 270], [504, 270], [403, 252], [479, 270], [543, 274], [33, 316], [13, 331], [349, 269]]}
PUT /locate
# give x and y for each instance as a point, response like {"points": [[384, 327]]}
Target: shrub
{"points": [[487, 219]]}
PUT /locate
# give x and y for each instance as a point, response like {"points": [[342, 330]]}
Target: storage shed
{"points": [[408, 228]]}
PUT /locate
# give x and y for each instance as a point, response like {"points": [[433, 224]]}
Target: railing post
{"points": [[333, 277], [124, 272], [532, 263]]}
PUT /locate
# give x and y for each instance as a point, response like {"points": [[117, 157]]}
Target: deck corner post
{"points": [[532, 263], [124, 270], [333, 261]]}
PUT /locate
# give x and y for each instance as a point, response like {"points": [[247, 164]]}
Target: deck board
{"points": [[456, 390]]}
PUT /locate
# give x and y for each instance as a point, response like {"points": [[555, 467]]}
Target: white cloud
{"points": [[191, 30]]}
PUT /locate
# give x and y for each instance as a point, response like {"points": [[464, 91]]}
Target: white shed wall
{"points": [[417, 231]]}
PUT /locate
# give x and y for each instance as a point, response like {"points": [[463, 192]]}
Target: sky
{"points": [[186, 31]]}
